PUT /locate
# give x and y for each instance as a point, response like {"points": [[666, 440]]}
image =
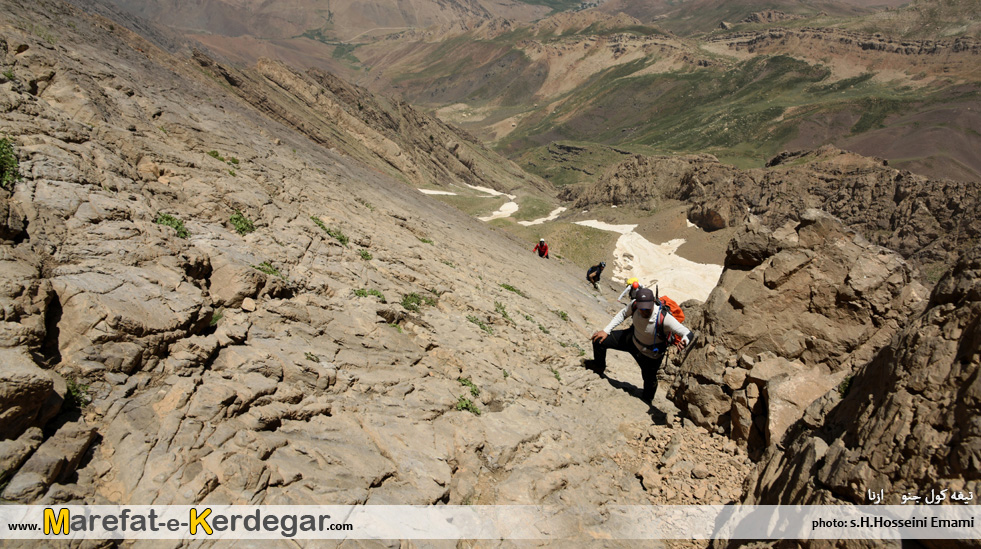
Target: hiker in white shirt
{"points": [[646, 340]]}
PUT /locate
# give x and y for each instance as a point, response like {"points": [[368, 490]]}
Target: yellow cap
{"points": [[630, 281]]}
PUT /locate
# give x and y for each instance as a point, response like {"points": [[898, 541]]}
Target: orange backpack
{"points": [[668, 305], [673, 307]]}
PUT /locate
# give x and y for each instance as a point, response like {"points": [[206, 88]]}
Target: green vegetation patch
{"points": [[556, 5], [744, 112], [78, 394], [465, 404], [582, 245], [874, 112], [499, 307], [412, 301], [336, 234], [345, 52], [173, 222], [570, 162], [531, 208], [243, 225], [474, 390], [511, 288], [9, 165], [267, 268], [480, 324], [472, 205]]}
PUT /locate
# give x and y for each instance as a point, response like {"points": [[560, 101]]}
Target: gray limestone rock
{"points": [[812, 311], [24, 390]]}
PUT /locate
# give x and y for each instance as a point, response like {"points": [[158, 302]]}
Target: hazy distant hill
{"points": [[330, 19], [743, 95], [897, 82]]}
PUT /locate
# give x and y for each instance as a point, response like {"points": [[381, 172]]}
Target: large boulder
{"points": [[24, 392], [54, 461], [795, 312], [117, 318], [908, 422]]}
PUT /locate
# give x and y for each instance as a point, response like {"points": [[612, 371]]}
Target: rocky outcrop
{"points": [[795, 313], [780, 38], [770, 16], [916, 216], [913, 215], [907, 421], [388, 134], [640, 181], [206, 304]]}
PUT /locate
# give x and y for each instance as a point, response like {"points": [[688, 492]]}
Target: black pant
{"points": [[622, 340]]}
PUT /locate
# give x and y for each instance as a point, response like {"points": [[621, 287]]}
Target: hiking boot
{"points": [[590, 364]]}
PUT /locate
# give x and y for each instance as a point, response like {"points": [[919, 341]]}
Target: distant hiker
{"points": [[541, 248], [632, 286], [594, 272], [646, 340]]}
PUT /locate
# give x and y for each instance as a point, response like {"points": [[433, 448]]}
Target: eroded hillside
{"points": [[222, 285], [740, 80], [203, 304], [929, 221]]}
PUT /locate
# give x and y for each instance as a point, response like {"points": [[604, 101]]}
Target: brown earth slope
{"points": [[215, 291], [203, 304]]}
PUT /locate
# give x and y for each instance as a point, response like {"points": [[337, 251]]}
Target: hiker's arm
{"points": [[625, 290], [672, 326]]}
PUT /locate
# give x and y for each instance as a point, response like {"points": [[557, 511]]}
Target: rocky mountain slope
{"points": [[202, 303], [388, 134], [335, 19], [222, 285]]}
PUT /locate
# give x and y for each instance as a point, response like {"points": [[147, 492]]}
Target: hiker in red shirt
{"points": [[541, 248]]}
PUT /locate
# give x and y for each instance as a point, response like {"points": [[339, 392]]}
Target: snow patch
{"points": [[430, 191], [506, 210], [555, 213], [658, 264]]}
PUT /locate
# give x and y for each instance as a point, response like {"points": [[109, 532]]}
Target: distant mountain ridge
{"points": [[655, 75]]}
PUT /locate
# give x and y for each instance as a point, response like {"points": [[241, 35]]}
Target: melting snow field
{"points": [[506, 210], [652, 263], [491, 192], [430, 191], [555, 213], [634, 255]]}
